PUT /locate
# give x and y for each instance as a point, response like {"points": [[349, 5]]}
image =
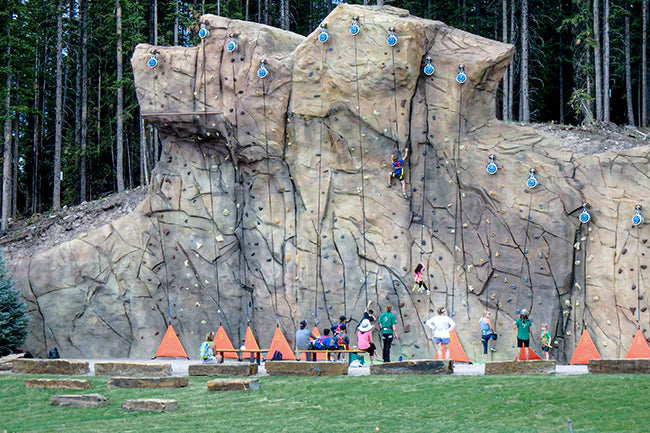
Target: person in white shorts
{"points": [[441, 325]]}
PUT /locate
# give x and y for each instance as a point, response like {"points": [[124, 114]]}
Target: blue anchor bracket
{"points": [[324, 35], [491, 166], [263, 71], [392, 38], [153, 59], [204, 32], [231, 45], [532, 180], [638, 218], [428, 68], [585, 215], [355, 27], [461, 76]]}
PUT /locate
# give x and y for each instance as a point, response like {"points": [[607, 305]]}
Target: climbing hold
{"points": [[324, 35], [577, 303], [392, 38], [461, 77], [355, 27], [497, 254], [263, 71], [231, 45], [492, 296], [203, 31], [540, 255], [638, 218], [525, 279], [153, 60], [225, 212], [525, 251], [491, 166], [585, 215], [428, 68], [513, 287], [532, 180], [567, 302], [577, 246], [509, 299], [577, 262]]}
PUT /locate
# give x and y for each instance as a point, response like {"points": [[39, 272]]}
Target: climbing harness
{"points": [[355, 28]]}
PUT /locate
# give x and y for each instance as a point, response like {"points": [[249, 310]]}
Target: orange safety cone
{"points": [[639, 348], [456, 351], [171, 346], [585, 350], [532, 355], [222, 342], [249, 343], [280, 343]]}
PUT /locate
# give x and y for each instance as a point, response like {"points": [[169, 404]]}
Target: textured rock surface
{"points": [[57, 383], [524, 367], [50, 366], [246, 369], [270, 204], [306, 368], [151, 405], [620, 366], [148, 382], [233, 385], [414, 367], [133, 369], [83, 401]]}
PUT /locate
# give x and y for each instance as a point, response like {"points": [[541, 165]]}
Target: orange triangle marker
{"points": [[532, 355], [171, 346], [585, 350], [456, 352], [222, 342], [280, 343], [249, 343], [319, 356], [639, 348]]}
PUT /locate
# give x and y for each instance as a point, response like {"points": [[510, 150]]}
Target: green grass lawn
{"points": [[410, 403]]}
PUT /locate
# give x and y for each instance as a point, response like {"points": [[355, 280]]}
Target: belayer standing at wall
{"points": [[388, 328]]}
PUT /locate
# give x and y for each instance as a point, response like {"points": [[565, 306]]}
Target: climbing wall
{"points": [[270, 204]]}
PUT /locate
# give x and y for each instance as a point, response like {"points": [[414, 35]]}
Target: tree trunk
{"points": [[606, 89], [524, 93], [561, 70], [511, 68], [266, 12], [176, 17], [6, 165], [598, 71], [119, 127], [628, 73], [259, 11], [504, 25], [14, 175], [58, 130], [247, 9], [154, 17], [36, 143], [644, 66], [144, 166], [83, 167]]}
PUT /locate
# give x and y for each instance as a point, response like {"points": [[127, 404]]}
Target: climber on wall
{"points": [[398, 171]]}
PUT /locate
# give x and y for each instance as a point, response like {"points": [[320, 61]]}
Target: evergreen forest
{"points": [[73, 131]]}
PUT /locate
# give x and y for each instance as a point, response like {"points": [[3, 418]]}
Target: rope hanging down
{"points": [[355, 25], [391, 40], [457, 199]]}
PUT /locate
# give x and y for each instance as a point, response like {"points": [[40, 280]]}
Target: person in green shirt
{"points": [[388, 329], [522, 325]]}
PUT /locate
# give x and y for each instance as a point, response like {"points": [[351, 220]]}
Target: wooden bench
{"points": [[311, 353], [256, 354]]}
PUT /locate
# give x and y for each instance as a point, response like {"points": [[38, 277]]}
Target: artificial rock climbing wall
{"points": [[270, 205]]}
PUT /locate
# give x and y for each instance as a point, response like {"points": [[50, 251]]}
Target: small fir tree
{"points": [[13, 317]]}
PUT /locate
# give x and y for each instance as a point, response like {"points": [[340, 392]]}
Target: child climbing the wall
{"points": [[398, 171], [545, 338], [419, 279]]}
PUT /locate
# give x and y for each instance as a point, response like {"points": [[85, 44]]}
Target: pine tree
{"points": [[13, 317]]}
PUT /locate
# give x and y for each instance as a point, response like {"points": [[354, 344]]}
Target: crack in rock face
{"points": [[270, 204]]}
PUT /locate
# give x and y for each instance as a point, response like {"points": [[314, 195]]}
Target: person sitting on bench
{"points": [[206, 351]]}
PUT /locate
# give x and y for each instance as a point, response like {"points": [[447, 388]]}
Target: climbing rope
{"points": [[638, 277], [457, 211], [392, 42], [363, 194]]}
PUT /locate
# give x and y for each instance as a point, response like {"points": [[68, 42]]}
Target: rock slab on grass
{"points": [[151, 405], [619, 366], [133, 369], [82, 400], [233, 385], [414, 366], [57, 383], [306, 368], [148, 382], [246, 369], [520, 367], [6, 362], [50, 366]]}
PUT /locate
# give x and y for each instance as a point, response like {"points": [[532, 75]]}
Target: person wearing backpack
{"points": [[341, 341], [388, 329], [323, 342], [206, 351]]}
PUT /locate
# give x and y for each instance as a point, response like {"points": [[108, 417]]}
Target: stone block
{"points": [[244, 369], [233, 385], [306, 368], [415, 366], [50, 366], [133, 369], [148, 382], [619, 366], [151, 405], [80, 400], [520, 367], [6, 362], [57, 383]]}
